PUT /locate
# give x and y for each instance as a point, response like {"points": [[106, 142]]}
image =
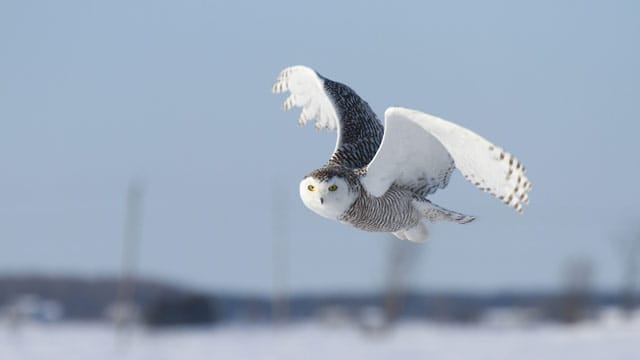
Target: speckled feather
{"points": [[360, 131]]}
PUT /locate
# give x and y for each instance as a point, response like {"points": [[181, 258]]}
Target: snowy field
{"points": [[607, 338]]}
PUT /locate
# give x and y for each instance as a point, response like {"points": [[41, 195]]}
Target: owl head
{"points": [[327, 193]]}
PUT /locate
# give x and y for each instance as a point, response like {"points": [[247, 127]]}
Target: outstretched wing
{"points": [[333, 106], [420, 151]]}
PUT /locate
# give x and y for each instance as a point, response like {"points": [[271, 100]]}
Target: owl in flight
{"points": [[378, 179]]}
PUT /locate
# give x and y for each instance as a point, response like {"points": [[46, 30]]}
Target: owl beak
{"points": [[321, 201]]}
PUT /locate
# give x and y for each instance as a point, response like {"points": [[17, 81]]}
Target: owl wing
{"points": [[333, 106], [419, 151]]}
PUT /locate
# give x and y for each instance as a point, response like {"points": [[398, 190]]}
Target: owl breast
{"points": [[391, 212]]}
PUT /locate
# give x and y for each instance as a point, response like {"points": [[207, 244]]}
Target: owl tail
{"points": [[434, 213]]}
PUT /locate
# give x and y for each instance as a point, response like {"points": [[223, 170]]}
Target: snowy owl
{"points": [[378, 179]]}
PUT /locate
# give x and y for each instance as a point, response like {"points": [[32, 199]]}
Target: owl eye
{"points": [[333, 187], [311, 188]]}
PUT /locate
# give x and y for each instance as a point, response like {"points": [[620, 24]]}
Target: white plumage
{"points": [[389, 172], [419, 147], [307, 92]]}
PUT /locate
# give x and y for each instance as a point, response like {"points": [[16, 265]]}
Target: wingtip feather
{"points": [[289, 102]]}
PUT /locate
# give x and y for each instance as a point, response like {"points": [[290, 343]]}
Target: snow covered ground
{"points": [[607, 338]]}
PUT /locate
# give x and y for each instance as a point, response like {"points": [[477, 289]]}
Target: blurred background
{"points": [[149, 181]]}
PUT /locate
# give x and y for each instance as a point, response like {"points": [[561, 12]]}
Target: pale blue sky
{"points": [[177, 93]]}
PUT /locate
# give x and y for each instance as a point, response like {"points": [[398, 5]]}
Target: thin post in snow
{"points": [[125, 311], [280, 255]]}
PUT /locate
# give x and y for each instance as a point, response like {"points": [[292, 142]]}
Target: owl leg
{"points": [[418, 233], [400, 235]]}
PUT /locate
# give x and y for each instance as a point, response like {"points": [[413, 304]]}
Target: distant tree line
{"points": [[163, 304]]}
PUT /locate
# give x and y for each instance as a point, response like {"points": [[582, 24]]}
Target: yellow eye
{"points": [[333, 187], [311, 188]]}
